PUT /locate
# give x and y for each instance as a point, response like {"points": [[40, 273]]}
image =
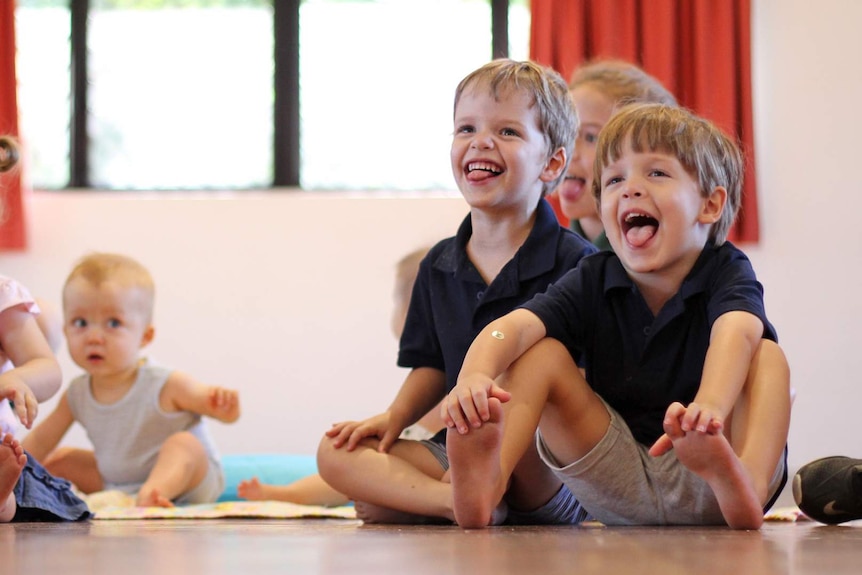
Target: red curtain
{"points": [[699, 49], [12, 230]]}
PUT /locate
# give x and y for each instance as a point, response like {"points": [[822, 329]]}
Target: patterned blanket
{"points": [[113, 505]]}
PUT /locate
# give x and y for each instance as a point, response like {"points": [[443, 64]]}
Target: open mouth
{"points": [[638, 228], [479, 171]]}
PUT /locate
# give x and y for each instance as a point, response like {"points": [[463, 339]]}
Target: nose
{"points": [[482, 141], [633, 189], [93, 335]]}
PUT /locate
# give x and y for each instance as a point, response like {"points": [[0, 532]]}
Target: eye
{"points": [[509, 132], [465, 129], [657, 173], [79, 322], [114, 323], [590, 137], [611, 180]]}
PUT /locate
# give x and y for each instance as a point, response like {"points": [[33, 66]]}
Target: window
{"points": [[214, 94]]}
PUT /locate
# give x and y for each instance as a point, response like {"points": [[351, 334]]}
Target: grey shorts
{"points": [[438, 450], [620, 483]]}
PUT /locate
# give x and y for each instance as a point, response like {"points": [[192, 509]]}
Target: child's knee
{"points": [[186, 442], [770, 367]]}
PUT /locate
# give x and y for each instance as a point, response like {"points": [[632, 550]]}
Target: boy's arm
{"points": [[45, 437], [491, 353], [182, 392], [733, 340], [420, 392]]}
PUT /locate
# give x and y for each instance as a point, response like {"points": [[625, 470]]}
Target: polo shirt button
{"points": [[646, 330], [479, 295]]}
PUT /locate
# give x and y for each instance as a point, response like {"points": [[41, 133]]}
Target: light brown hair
{"points": [[622, 82], [550, 94], [706, 153], [98, 268]]}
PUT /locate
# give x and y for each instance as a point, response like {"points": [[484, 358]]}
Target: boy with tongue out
{"points": [[514, 125], [683, 413]]}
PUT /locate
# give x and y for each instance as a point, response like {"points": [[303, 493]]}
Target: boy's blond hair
{"points": [[622, 82], [557, 116], [706, 153], [98, 268]]}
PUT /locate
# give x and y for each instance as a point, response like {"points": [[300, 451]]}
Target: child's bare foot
{"points": [[377, 514], [12, 460], [712, 458], [250, 489], [152, 498], [477, 483]]}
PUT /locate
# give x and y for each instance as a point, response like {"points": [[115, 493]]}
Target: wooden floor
{"points": [[331, 546]]}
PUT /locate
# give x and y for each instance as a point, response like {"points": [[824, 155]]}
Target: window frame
{"points": [[286, 106]]}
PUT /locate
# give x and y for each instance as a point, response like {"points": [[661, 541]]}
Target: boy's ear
{"points": [[149, 333], [554, 166], [713, 206]]}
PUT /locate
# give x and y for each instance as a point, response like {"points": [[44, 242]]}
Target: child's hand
{"points": [[680, 419], [224, 403], [350, 433], [702, 418], [23, 400], [466, 405]]}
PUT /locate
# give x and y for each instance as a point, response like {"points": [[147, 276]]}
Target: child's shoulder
{"points": [[722, 259], [13, 293], [548, 237]]}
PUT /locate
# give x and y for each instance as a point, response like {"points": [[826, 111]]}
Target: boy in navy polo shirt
{"points": [[683, 413], [514, 127]]}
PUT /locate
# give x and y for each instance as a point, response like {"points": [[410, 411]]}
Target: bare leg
{"points": [[12, 460], [407, 479], [548, 391], [182, 464], [738, 468], [76, 465], [310, 490]]}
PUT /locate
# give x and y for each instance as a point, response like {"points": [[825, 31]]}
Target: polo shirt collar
{"points": [[693, 284], [540, 245]]}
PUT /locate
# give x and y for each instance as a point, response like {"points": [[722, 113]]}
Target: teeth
{"points": [[482, 166]]}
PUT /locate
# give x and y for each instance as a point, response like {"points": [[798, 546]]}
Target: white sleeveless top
{"points": [[128, 434]]}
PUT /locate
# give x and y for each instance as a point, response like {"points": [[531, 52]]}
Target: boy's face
{"points": [[105, 326], [576, 194], [499, 152], [654, 214]]}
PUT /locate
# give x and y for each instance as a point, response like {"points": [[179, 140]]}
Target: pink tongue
{"points": [[640, 235], [479, 175]]}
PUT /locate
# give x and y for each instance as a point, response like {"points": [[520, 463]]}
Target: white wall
{"points": [[284, 296], [287, 296]]}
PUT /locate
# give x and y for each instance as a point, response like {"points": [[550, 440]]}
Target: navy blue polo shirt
{"points": [[451, 303], [637, 362]]}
